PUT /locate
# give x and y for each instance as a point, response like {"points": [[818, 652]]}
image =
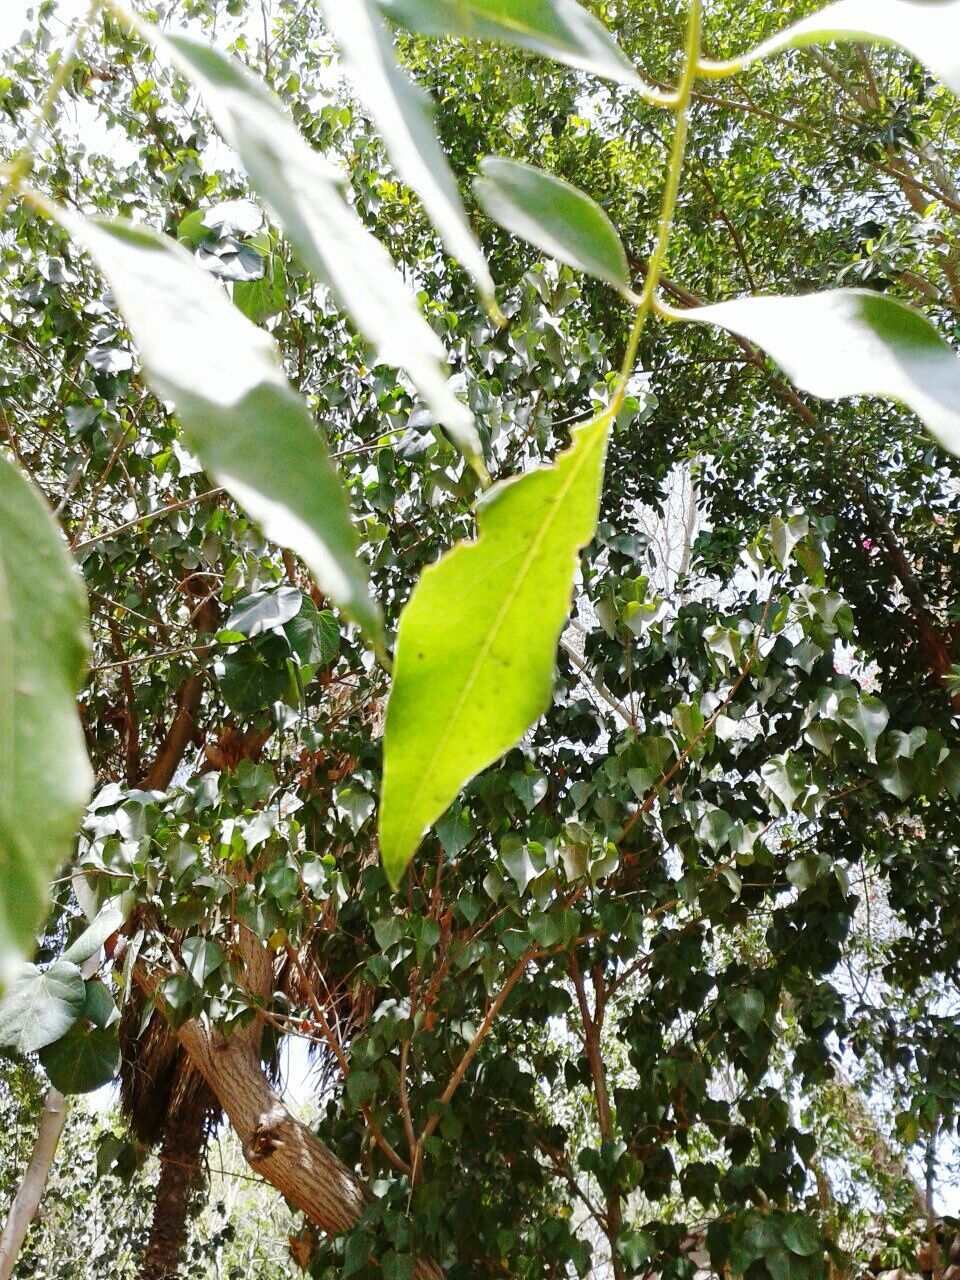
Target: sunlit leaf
{"points": [[853, 342], [244, 421], [45, 777], [555, 216], [403, 114], [477, 642], [558, 29], [306, 197], [928, 29]]}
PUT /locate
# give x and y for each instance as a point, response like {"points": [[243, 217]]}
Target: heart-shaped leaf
{"points": [[553, 215], [852, 342], [477, 642], [41, 1006]]}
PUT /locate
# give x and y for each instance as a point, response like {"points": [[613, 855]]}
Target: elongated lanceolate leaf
{"points": [[851, 342], [306, 196], [403, 114], [559, 29], [45, 777], [555, 216], [239, 414], [477, 642], [929, 29]]}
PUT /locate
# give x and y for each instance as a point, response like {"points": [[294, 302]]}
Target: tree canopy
{"points": [[478, 599]]}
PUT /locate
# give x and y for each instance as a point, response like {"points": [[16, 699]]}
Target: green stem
{"points": [[20, 166], [658, 258]]}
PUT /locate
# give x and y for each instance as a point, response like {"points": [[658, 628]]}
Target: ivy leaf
{"points": [[853, 342], [244, 421], [264, 611], [45, 777], [557, 29], [553, 215], [92, 939], [40, 1007], [86, 1058], [255, 676], [930, 32], [477, 641], [746, 1008], [201, 958], [306, 197], [313, 635], [866, 716], [899, 777], [403, 114], [786, 776]]}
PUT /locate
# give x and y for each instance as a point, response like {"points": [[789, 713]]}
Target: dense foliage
{"points": [[672, 973]]}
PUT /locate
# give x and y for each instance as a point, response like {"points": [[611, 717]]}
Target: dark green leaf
{"points": [[40, 1007]]}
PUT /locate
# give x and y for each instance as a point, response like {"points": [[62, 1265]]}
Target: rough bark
{"points": [[180, 1158], [27, 1200]]}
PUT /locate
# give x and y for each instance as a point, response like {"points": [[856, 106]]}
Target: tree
{"points": [[632, 963]]}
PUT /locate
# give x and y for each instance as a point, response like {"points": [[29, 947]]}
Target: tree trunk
{"points": [[27, 1199], [180, 1154]]}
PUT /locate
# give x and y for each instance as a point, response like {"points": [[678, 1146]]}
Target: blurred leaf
{"points": [[45, 777], [852, 342]]}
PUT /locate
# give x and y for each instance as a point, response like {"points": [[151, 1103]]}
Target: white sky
{"points": [[13, 16]]}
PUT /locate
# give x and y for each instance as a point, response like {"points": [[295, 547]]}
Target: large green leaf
{"points": [[477, 642], [555, 216], [403, 114], [86, 1058], [306, 196], [558, 29], [41, 1006], [244, 421], [929, 29], [45, 777], [852, 342]]}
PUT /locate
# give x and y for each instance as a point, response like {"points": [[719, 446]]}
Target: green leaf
{"points": [[40, 1007], [477, 642], [266, 297], [86, 1058], [255, 676], [247, 425], [553, 215], [853, 342], [929, 31], [786, 776], [306, 197], [92, 939], [264, 610], [403, 114], [313, 635], [866, 716], [746, 1008], [557, 29], [201, 957], [45, 777], [899, 777]]}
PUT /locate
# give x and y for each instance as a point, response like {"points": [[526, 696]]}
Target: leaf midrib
{"points": [[494, 631]]}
